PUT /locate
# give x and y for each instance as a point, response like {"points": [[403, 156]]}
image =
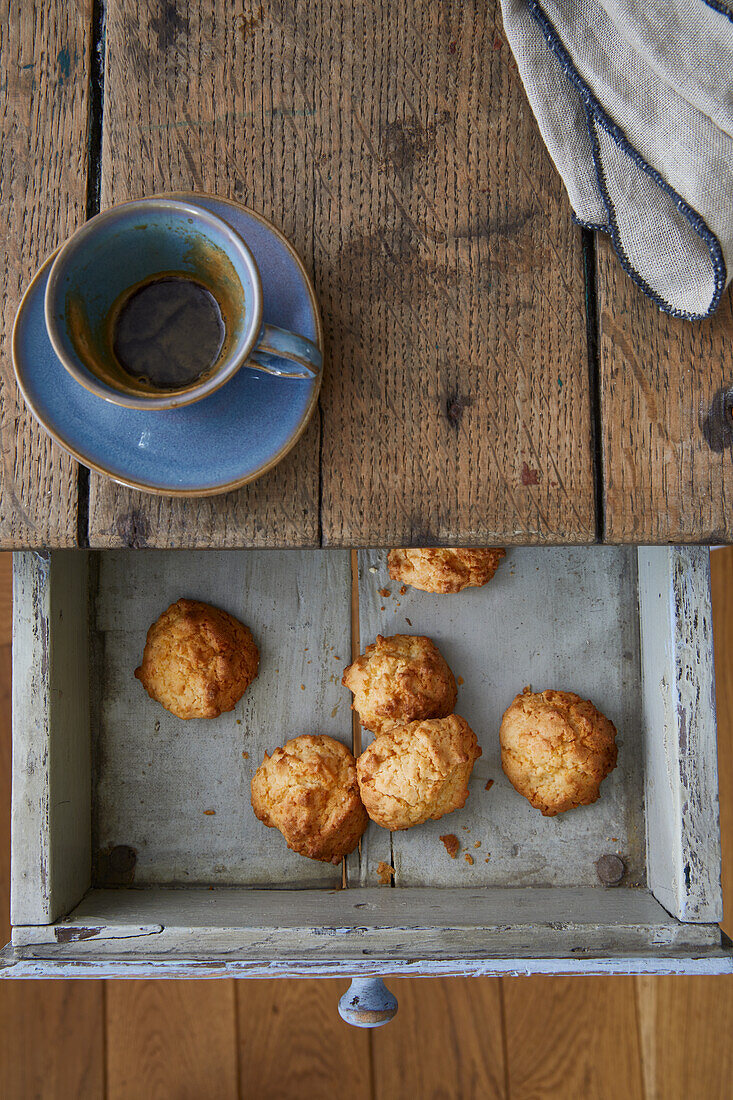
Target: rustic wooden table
{"points": [[492, 375]]}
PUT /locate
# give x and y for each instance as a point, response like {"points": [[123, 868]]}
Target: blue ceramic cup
{"points": [[133, 245]]}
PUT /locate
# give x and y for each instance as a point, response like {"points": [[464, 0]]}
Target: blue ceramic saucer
{"points": [[215, 445]]}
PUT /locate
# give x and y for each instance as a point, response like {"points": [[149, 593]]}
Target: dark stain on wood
{"points": [[115, 866], [454, 408], [509, 226], [168, 25], [404, 143], [133, 530], [529, 476], [73, 935], [717, 422]]}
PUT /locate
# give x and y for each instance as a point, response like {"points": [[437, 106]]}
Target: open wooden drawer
{"points": [[134, 848]]}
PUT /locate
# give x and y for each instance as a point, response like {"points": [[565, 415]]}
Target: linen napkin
{"points": [[634, 100]]}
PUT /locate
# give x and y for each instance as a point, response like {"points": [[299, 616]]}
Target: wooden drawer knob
{"points": [[367, 1003]]}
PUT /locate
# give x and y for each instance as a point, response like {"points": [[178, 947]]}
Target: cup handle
{"points": [[284, 354]]}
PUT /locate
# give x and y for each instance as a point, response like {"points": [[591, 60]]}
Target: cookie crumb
{"points": [[469, 859], [489, 785], [245, 755], [382, 608], [209, 813], [452, 844], [384, 592], [465, 828], [403, 590], [373, 569], [239, 721], [477, 844], [302, 687], [459, 680], [385, 871]]}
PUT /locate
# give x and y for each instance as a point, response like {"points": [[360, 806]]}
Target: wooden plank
{"points": [[293, 1043], [563, 618], [171, 1039], [6, 687], [678, 707], [666, 426], [420, 194], [52, 1039], [51, 737], [721, 584], [158, 778], [459, 399], [276, 931], [685, 1027], [570, 1038], [204, 99], [445, 1041], [44, 107]]}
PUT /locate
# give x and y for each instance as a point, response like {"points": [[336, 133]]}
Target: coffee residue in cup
{"points": [[169, 332]]}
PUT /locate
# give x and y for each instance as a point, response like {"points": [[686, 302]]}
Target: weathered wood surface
{"points": [[44, 109], [176, 792], [562, 618], [666, 391], [51, 738], [456, 399], [680, 760]]}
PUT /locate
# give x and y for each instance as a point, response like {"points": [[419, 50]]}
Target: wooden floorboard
{"points": [[171, 1039], [445, 1041], [572, 1037], [546, 1038], [293, 1043]]}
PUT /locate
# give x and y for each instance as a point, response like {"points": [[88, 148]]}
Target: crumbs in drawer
{"points": [[385, 873], [452, 844]]}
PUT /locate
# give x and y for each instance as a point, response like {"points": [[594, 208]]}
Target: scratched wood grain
{"points": [[43, 173], [171, 1039], [667, 430], [293, 1043], [446, 1041], [418, 191]]}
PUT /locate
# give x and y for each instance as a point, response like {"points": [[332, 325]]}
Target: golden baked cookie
{"points": [[399, 679], [198, 660], [444, 570], [556, 748], [307, 789], [417, 772]]}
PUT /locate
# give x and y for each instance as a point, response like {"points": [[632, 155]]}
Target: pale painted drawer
{"points": [[118, 868]]}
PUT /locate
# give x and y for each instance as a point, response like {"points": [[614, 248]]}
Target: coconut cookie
{"points": [[308, 790], [444, 570], [398, 680], [418, 772], [556, 749], [198, 660]]}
